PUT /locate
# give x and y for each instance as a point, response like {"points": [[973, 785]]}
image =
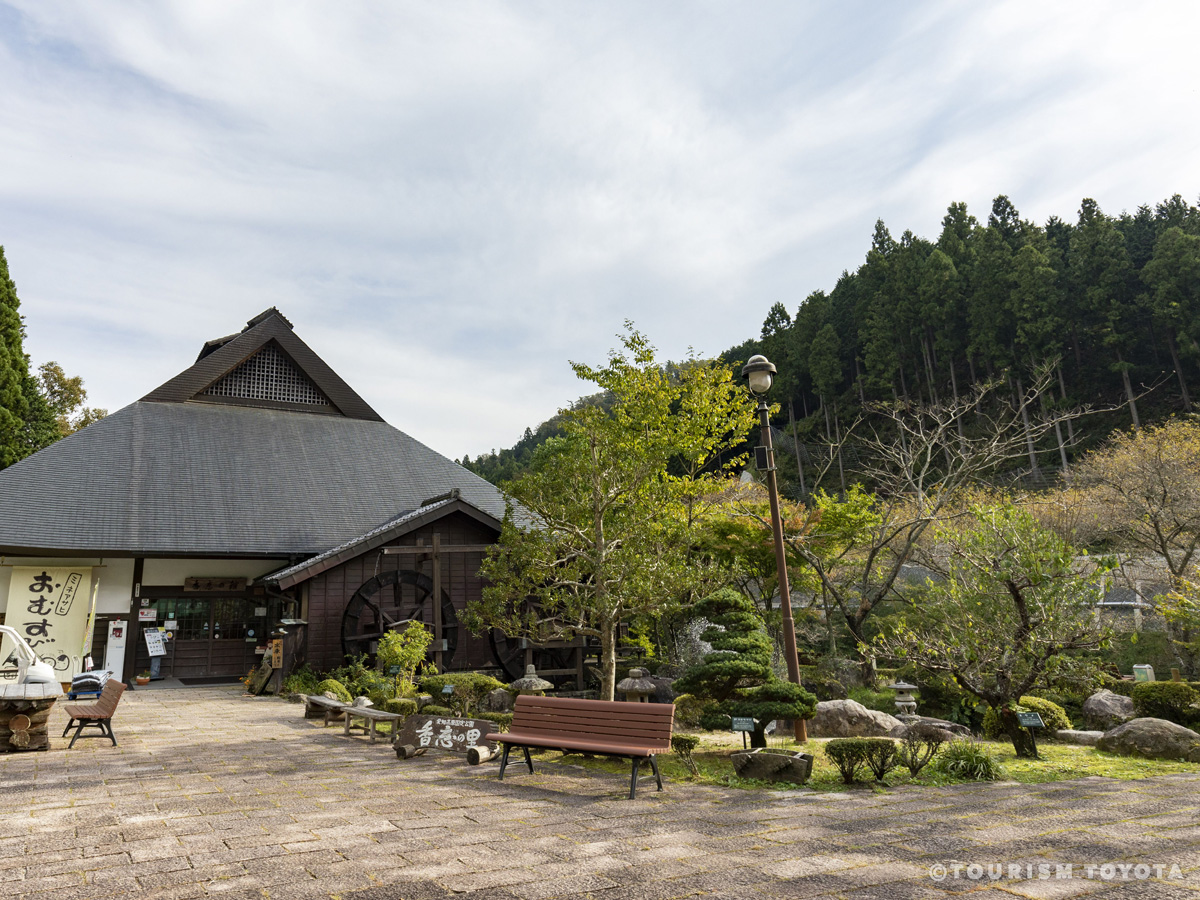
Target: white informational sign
{"points": [[155, 643], [147, 615], [50, 607], [114, 650]]}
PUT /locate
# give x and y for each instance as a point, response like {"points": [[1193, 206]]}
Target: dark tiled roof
{"points": [[170, 478], [377, 537]]}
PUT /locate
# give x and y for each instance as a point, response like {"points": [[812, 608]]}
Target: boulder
{"points": [[1083, 738], [499, 700], [1152, 739], [951, 730], [1104, 709], [846, 718], [664, 691], [362, 702]]}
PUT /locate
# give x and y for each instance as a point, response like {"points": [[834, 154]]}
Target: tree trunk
{"points": [[954, 388], [838, 435], [1022, 740], [1062, 393], [858, 380], [1137, 422], [608, 660], [1033, 463], [1187, 400], [929, 372], [799, 464]]}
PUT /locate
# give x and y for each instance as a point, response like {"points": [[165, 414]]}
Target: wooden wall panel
{"points": [[330, 591]]}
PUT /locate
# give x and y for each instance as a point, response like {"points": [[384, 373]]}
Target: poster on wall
{"points": [[155, 643], [49, 607]]}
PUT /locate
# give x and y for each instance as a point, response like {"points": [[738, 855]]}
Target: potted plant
{"points": [[143, 678]]}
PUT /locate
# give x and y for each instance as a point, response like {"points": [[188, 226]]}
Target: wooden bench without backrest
{"points": [[95, 715], [635, 731]]}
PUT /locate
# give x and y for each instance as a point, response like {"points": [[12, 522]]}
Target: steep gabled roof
{"points": [[377, 537], [269, 348], [189, 472]]}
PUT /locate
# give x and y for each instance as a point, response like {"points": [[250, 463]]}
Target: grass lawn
{"points": [[1058, 762]]}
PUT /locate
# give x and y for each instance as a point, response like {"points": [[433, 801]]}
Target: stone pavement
{"points": [[211, 793]]}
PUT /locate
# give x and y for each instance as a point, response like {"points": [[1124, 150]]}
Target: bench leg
{"points": [[68, 728], [78, 731], [108, 727], [657, 776], [528, 760], [504, 760], [637, 761]]}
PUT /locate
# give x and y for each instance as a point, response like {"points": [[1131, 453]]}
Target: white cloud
{"points": [[499, 186]]}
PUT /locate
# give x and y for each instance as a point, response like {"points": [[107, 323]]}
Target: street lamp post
{"points": [[759, 371]]}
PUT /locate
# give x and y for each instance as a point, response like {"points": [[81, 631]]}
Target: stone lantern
{"points": [[906, 703], [531, 683], [637, 687]]}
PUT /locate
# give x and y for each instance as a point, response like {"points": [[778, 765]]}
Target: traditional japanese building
{"points": [[254, 487]]}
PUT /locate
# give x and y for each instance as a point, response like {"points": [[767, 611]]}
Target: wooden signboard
{"points": [[214, 584], [444, 733], [277, 653]]}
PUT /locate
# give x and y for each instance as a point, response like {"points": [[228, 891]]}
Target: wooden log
{"points": [[482, 754]]}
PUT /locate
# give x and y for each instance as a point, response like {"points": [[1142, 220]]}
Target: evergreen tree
{"points": [[15, 381], [737, 672]]}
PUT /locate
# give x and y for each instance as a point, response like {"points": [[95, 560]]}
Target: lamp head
{"points": [[760, 371]]}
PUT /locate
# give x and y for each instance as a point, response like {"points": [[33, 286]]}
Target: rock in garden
{"points": [[1104, 709], [1083, 738], [1152, 739], [361, 702], [663, 690], [499, 700], [951, 731], [846, 718]]}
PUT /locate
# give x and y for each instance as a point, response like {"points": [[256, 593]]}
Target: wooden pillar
{"points": [[437, 601]]}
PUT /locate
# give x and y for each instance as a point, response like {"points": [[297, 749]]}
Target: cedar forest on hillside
{"points": [[1111, 305]]}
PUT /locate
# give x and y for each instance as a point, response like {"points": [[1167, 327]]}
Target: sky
{"points": [[451, 201]]}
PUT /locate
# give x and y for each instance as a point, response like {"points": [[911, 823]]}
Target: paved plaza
{"points": [[214, 793]]}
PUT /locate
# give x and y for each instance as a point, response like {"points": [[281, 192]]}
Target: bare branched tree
{"points": [[918, 458]]}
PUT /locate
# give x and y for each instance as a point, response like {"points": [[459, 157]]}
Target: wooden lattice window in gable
{"points": [[267, 375]]}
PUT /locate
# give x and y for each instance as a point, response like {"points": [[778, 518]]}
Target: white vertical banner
{"points": [[49, 608]]}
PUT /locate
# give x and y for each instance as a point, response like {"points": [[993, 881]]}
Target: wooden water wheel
{"points": [[388, 602]]}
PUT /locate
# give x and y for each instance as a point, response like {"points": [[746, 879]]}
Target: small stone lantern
{"points": [[637, 687], [532, 683], [906, 703]]}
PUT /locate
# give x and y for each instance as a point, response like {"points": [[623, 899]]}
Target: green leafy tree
{"points": [[14, 372], [404, 651], [66, 397], [1011, 613], [737, 672], [600, 529]]}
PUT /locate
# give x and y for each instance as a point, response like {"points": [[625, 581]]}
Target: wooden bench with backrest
{"points": [[95, 715], [635, 731]]}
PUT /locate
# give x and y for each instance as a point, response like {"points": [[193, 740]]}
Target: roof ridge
{"points": [[267, 327]]}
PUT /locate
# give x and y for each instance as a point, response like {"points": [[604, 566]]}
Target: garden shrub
{"points": [[942, 698], [469, 690], [401, 706], [689, 709], [881, 755], [1052, 714], [335, 687], [918, 746], [968, 761], [302, 681], [1119, 686], [360, 679], [683, 745], [1170, 700], [501, 719], [378, 699], [433, 709], [849, 755], [883, 701]]}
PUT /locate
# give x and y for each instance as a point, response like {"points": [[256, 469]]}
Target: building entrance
{"points": [[208, 637]]}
